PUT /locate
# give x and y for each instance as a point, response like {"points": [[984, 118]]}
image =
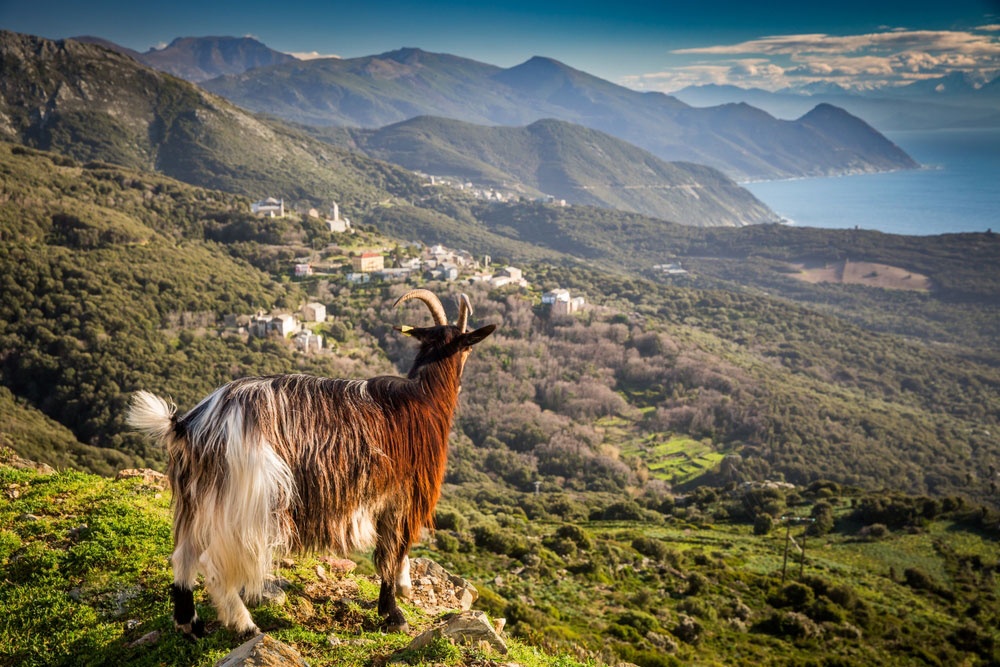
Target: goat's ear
{"points": [[471, 338], [405, 329]]}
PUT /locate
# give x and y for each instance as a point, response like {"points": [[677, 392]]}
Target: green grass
{"points": [[85, 566], [676, 459]]}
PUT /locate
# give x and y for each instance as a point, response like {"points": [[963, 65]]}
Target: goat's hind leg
{"points": [[185, 563], [225, 592]]}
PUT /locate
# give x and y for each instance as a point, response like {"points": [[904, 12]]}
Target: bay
{"points": [[957, 190]]}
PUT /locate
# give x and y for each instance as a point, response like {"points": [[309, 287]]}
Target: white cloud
{"points": [[890, 57], [312, 55]]}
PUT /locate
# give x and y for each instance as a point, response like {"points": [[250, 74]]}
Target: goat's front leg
{"points": [[390, 559], [404, 586]]}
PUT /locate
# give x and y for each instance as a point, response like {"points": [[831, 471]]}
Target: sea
{"points": [[956, 190]]}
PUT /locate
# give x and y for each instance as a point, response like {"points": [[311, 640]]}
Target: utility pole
{"points": [[789, 520], [802, 563], [788, 538]]}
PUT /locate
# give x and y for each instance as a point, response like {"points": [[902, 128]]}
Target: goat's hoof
{"points": [[396, 623], [248, 634], [194, 630]]}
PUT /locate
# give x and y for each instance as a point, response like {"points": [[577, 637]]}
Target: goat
{"points": [[266, 465]]}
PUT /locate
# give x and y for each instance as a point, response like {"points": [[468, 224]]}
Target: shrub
{"points": [[499, 541], [446, 542], [560, 546], [652, 548], [919, 580], [697, 583], [824, 610], [575, 534], [762, 524], [698, 608], [823, 521], [687, 630], [625, 510], [449, 520], [876, 531], [639, 620], [790, 624], [795, 595], [844, 596]]}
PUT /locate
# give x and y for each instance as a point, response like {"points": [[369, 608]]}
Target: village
{"points": [[485, 192], [377, 265]]}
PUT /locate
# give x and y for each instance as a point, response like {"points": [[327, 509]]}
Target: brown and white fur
{"points": [[266, 465]]}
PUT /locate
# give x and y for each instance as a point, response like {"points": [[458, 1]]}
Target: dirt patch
{"points": [[861, 273]]}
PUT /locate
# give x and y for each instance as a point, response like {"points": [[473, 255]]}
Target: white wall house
{"points": [[307, 341], [562, 303], [314, 312], [269, 208]]}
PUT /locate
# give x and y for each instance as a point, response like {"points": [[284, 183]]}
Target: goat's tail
{"points": [[151, 415]]}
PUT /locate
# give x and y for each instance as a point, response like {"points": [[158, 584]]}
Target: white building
{"points": [[515, 274], [269, 208], [562, 303], [335, 223], [314, 312], [303, 270], [307, 341], [555, 295], [285, 324]]}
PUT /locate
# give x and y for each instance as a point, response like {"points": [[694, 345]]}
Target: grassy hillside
{"points": [[108, 285], [84, 561], [85, 565]]}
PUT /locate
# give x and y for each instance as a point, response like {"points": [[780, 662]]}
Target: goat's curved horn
{"points": [[464, 310], [428, 297]]}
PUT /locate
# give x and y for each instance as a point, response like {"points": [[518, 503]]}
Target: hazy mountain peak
{"points": [[201, 58]]}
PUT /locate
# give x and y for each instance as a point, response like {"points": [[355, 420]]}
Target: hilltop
{"points": [[564, 161]]}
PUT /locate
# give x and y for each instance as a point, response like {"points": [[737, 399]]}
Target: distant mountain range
{"points": [[948, 102], [743, 142], [563, 160], [201, 58], [92, 103]]}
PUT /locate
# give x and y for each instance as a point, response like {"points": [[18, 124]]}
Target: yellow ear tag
{"points": [[405, 329]]}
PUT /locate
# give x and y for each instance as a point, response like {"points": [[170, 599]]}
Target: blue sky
{"points": [[646, 44]]}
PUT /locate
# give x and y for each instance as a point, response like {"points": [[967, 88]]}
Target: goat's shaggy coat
{"points": [[292, 462]]}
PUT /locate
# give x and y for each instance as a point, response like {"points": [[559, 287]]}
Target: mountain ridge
{"points": [[914, 107], [565, 161], [374, 91]]}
